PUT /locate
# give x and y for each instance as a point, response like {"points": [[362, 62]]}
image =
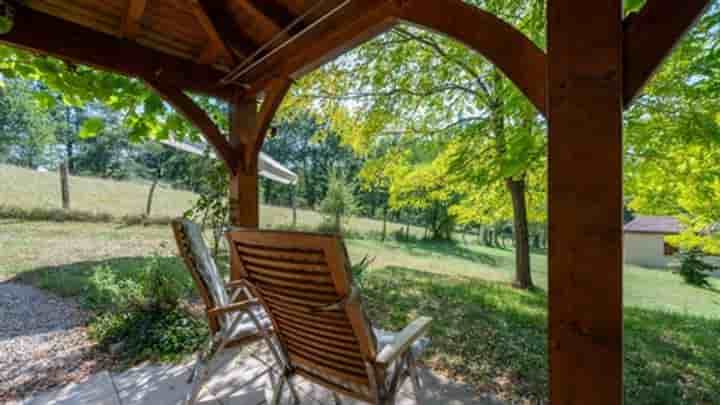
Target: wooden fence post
{"points": [[65, 185]]}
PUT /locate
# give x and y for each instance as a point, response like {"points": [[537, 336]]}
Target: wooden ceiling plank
{"points": [[216, 48], [131, 22], [650, 36], [267, 24], [39, 32]]}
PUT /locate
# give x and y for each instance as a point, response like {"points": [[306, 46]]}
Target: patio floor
{"points": [[241, 380]]}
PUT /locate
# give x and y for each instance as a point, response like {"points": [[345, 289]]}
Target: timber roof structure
{"points": [[596, 62]]}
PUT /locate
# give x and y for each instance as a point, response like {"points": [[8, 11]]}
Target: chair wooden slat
{"points": [[298, 327], [329, 369], [334, 387], [310, 351], [296, 286], [313, 323], [288, 273], [329, 343], [290, 256], [322, 346], [335, 317], [277, 264], [309, 300]]}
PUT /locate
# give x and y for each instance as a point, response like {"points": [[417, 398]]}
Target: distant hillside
{"points": [[25, 188]]}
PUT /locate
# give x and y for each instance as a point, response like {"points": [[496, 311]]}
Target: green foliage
{"points": [[693, 269], [149, 335], [91, 127]]}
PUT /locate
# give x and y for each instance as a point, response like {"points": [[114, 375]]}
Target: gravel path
{"points": [[43, 342]]}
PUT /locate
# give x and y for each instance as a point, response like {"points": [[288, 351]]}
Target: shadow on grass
{"points": [[447, 248], [495, 337]]}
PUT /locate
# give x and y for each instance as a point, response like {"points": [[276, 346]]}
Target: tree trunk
{"points": [[384, 228], [151, 194], [523, 277], [65, 185]]}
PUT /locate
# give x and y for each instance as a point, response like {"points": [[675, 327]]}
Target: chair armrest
{"points": [[403, 341], [234, 307]]}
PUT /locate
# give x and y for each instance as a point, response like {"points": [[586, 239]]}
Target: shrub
{"points": [[149, 335], [52, 214], [693, 269]]}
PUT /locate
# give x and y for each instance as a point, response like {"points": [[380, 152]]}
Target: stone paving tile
{"points": [[157, 384], [97, 390]]}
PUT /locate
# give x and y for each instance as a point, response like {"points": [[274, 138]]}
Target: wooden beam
{"points": [[501, 43], [48, 35], [264, 25], [216, 49], [131, 22], [198, 117], [521, 60], [585, 95], [274, 96], [356, 23], [651, 35]]}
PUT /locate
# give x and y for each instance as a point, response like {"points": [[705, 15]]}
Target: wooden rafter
{"points": [[266, 22], [198, 117], [131, 21], [651, 34], [356, 23], [216, 49], [48, 35]]}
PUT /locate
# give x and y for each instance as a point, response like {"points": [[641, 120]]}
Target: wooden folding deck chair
{"points": [[305, 284], [235, 318]]}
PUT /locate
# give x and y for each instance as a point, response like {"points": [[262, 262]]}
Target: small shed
{"points": [[645, 240]]}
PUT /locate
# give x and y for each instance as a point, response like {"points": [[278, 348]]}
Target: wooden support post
{"points": [[585, 104], [244, 204]]}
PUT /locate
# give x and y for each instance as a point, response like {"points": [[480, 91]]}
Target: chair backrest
{"points": [[201, 265], [304, 282]]}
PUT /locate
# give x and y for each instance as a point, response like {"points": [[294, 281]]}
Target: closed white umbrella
{"points": [[268, 167]]}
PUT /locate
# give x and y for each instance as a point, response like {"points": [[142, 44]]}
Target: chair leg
{"points": [[336, 398], [293, 391], [414, 377], [277, 392]]}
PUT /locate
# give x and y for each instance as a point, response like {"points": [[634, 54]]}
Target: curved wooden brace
{"points": [[650, 35], [198, 117], [274, 96], [502, 44]]}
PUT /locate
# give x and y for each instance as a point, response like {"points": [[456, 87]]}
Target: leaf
{"points": [[44, 100], [91, 127], [633, 5]]}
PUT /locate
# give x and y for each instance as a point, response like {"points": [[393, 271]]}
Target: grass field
{"points": [[28, 189]]}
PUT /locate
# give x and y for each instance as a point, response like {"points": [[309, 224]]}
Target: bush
{"points": [[139, 316], [149, 335], [52, 214], [693, 269]]}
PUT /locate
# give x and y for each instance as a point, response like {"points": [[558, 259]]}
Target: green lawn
{"points": [[485, 332], [27, 189]]}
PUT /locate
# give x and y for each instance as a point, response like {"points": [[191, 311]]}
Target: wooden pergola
{"points": [[244, 51]]}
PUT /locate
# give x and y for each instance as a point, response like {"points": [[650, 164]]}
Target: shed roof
{"points": [[654, 224]]}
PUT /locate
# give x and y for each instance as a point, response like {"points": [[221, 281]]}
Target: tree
{"points": [[339, 201], [673, 140], [418, 88], [27, 130]]}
